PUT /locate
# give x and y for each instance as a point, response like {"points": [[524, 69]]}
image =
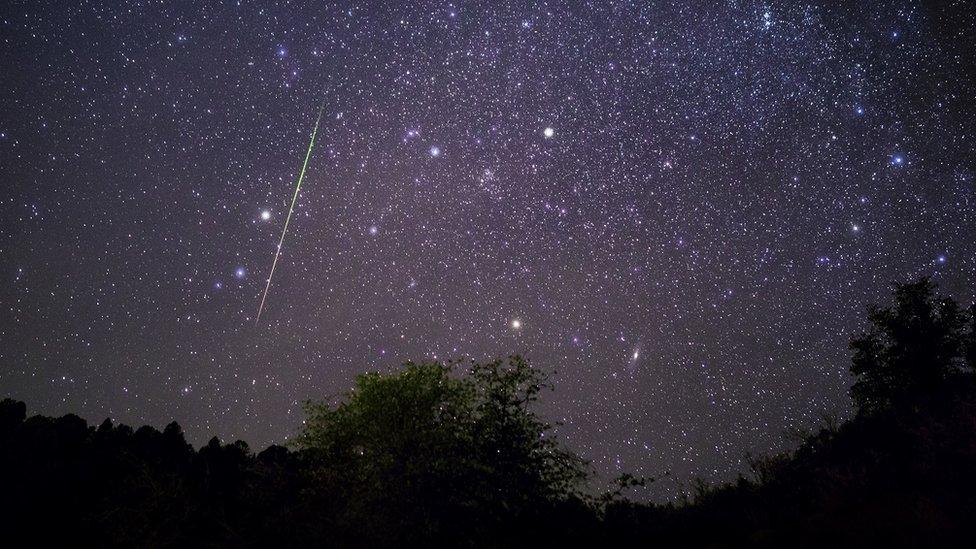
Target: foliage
{"points": [[911, 349], [438, 452]]}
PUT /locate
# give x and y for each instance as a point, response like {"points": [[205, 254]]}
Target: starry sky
{"points": [[682, 208]]}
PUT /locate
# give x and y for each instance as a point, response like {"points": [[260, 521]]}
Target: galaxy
{"points": [[681, 209]]}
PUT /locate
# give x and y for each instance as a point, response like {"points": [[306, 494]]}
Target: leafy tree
{"points": [[439, 452], [911, 348]]}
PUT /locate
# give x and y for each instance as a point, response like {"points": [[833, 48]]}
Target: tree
{"points": [[910, 349], [439, 452], [12, 414]]}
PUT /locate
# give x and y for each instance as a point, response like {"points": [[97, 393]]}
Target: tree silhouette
{"points": [[910, 349], [437, 452]]}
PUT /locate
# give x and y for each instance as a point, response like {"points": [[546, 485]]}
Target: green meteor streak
{"points": [[291, 210]]}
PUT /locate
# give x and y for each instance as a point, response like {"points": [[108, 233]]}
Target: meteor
{"points": [[291, 209]]}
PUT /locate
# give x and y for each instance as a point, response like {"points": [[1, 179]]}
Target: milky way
{"points": [[680, 208]]}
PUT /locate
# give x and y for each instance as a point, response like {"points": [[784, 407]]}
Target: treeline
{"points": [[452, 455]]}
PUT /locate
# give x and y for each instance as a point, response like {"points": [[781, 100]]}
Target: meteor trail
{"points": [[291, 209]]}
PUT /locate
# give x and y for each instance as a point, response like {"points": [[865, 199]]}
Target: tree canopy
{"points": [[911, 348], [436, 447]]}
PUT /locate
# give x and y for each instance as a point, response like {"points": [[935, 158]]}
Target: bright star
{"points": [[516, 324], [240, 273], [435, 151], [548, 132], [265, 215]]}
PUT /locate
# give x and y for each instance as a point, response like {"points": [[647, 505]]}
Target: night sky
{"points": [[681, 208]]}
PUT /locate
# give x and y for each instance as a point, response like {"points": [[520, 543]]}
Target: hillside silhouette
{"points": [[453, 455]]}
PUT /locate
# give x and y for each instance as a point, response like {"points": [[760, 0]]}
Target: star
{"points": [[548, 132], [435, 151], [265, 215], [516, 324]]}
